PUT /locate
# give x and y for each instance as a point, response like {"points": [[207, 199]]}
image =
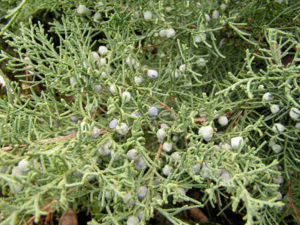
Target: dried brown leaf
{"points": [[68, 218]]}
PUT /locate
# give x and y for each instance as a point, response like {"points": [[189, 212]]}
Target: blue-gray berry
{"points": [[153, 111], [133, 220], [142, 192]]}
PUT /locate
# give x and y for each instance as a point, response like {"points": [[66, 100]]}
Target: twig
{"points": [[59, 138], [9, 148], [291, 204], [154, 45], [159, 150], [235, 119], [47, 206], [48, 140], [201, 119]]}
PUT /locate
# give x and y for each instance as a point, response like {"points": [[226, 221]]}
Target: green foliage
{"points": [[62, 96]]}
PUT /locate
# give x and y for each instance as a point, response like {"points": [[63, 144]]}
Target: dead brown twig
{"points": [[201, 119], [291, 204], [154, 45], [236, 118], [159, 150], [48, 140]]}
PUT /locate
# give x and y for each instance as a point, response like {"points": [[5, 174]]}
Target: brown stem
{"points": [[159, 150], [201, 119], [154, 45], [291, 204], [48, 140], [235, 119]]}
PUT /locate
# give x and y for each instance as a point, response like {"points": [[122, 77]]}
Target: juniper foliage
{"points": [[55, 135]]}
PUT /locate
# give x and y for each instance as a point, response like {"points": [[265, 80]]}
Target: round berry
{"points": [[105, 150], [207, 17], [153, 111], [152, 74], [130, 61], [294, 113], [72, 81], [132, 154], [142, 192], [278, 180], [122, 129], [261, 87], [95, 56], [138, 80], [167, 170], [127, 199], [236, 142], [205, 171], [167, 146], [16, 171], [182, 68], [276, 148], [278, 128], [225, 176], [163, 33], [113, 89], [156, 181], [164, 125], [274, 108], [168, 9], [83, 10], [140, 163], [140, 214], [181, 191], [223, 121], [215, 14], [147, 15], [113, 124], [196, 168], [133, 220], [201, 62], [23, 165], [74, 119], [267, 97], [206, 132], [102, 50], [98, 88], [223, 6], [102, 61], [126, 96], [225, 146], [97, 17], [176, 156], [175, 138], [136, 114], [95, 132], [161, 134], [197, 39], [170, 33]]}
